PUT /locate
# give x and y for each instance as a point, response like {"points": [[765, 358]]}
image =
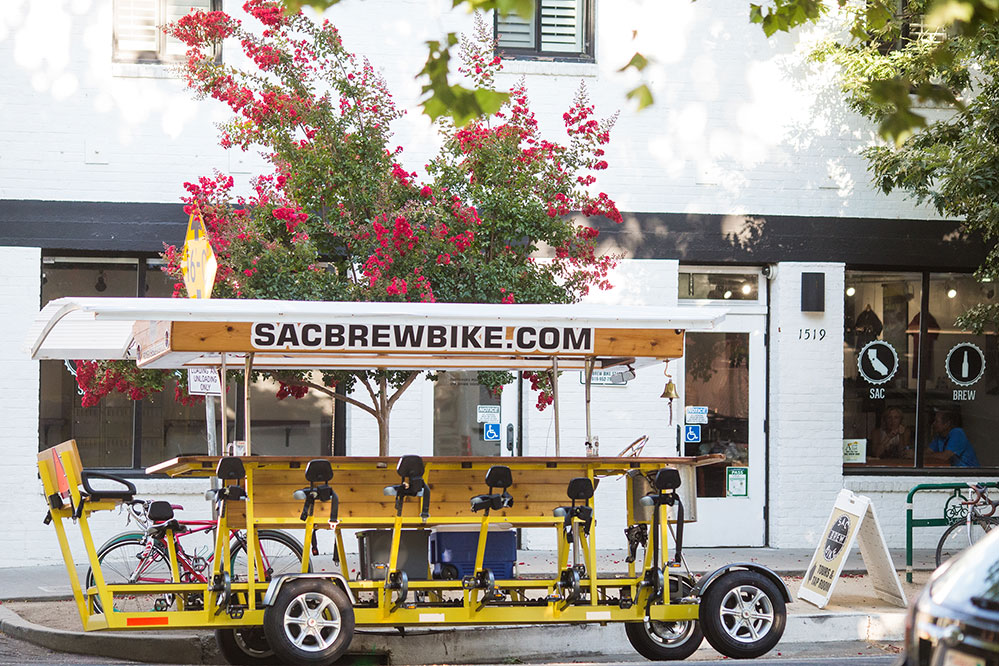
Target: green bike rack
{"points": [[953, 512]]}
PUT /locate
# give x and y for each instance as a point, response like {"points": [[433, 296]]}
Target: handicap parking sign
{"points": [[692, 434], [491, 432]]}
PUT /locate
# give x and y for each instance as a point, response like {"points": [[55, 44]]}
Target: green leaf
{"points": [[945, 12], [638, 61], [454, 101], [643, 95]]}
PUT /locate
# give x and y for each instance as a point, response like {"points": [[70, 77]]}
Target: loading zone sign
{"points": [[877, 362], [692, 434]]}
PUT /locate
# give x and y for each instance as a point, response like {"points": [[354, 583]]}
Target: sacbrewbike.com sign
{"points": [[420, 337]]}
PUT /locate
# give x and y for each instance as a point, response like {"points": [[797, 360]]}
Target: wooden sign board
{"points": [[852, 520], [416, 338]]}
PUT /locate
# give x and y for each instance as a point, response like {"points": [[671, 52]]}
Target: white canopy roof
{"points": [[103, 328]]}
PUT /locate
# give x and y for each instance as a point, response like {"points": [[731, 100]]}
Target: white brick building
{"points": [[746, 171]]}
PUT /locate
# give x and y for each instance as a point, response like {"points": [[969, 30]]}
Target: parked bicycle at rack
{"points": [[135, 557], [978, 520]]}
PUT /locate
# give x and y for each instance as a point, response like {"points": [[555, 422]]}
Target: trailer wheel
{"points": [[244, 645], [664, 641], [667, 640], [310, 622], [743, 614]]}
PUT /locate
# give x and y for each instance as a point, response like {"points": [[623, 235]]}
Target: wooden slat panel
{"points": [[638, 342], [187, 336], [438, 510]]}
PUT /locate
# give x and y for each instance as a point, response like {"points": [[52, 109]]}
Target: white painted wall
{"points": [[741, 124], [806, 406]]}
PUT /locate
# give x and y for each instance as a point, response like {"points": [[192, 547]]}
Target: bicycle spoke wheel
{"points": [[960, 536], [127, 560], [281, 553]]}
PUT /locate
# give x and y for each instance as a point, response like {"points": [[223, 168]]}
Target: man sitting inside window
{"points": [[951, 445]]}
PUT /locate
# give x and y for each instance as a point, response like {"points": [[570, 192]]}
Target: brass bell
{"points": [[670, 390]]}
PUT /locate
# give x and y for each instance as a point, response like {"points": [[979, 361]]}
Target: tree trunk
{"points": [[384, 410]]}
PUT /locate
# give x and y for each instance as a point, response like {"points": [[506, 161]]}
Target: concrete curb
{"points": [[171, 649], [451, 645]]}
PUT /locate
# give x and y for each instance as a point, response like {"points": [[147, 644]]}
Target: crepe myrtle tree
{"points": [[339, 218]]}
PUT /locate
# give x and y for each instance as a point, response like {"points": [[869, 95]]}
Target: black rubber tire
{"points": [[284, 621], [666, 641], [245, 645], [449, 572], [955, 537], [118, 561], [289, 549], [732, 635]]}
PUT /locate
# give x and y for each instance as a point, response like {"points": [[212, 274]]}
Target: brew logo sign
{"points": [[852, 520], [836, 538], [419, 337]]}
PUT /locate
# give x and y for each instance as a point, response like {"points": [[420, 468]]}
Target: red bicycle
{"points": [[136, 557]]}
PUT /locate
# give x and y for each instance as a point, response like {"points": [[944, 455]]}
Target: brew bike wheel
{"points": [[670, 640], [958, 536], [244, 645], [130, 559], [281, 552]]}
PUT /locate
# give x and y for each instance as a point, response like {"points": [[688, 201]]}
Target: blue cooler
{"points": [[452, 554]]}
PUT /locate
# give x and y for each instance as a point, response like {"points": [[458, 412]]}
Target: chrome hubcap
{"points": [[669, 633], [747, 614], [312, 622]]}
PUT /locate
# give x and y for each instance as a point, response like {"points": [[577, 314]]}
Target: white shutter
{"points": [[513, 32], [562, 26], [135, 24], [175, 9]]}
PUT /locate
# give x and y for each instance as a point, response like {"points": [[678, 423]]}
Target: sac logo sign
{"points": [[836, 538], [416, 337]]}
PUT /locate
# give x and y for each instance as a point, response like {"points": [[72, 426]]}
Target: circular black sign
{"points": [[836, 538], [965, 364], [877, 362]]}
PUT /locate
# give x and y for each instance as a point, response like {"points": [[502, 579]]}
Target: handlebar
{"points": [[987, 507]]}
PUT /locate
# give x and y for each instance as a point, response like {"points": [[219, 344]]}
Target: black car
{"points": [[955, 619]]}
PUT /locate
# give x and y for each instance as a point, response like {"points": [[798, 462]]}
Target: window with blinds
{"points": [[558, 28], [138, 29]]}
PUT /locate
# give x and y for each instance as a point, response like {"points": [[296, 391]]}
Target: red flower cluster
{"points": [[292, 216], [267, 12], [294, 390], [200, 28]]}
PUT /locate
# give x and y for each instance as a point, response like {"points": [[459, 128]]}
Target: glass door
{"points": [[724, 396], [469, 420]]}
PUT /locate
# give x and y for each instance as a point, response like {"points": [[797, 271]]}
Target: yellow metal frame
{"points": [[438, 605]]}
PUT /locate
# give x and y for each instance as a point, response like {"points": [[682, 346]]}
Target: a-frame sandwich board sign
{"points": [[852, 519]]}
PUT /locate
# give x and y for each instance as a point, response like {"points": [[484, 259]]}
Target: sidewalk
{"points": [[35, 607]]}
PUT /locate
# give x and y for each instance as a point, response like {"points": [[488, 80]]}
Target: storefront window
{"points": [[103, 433], [719, 286], [106, 433], [961, 404], [900, 372]]}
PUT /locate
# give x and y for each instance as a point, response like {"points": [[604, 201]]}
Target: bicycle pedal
{"points": [[236, 613]]}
